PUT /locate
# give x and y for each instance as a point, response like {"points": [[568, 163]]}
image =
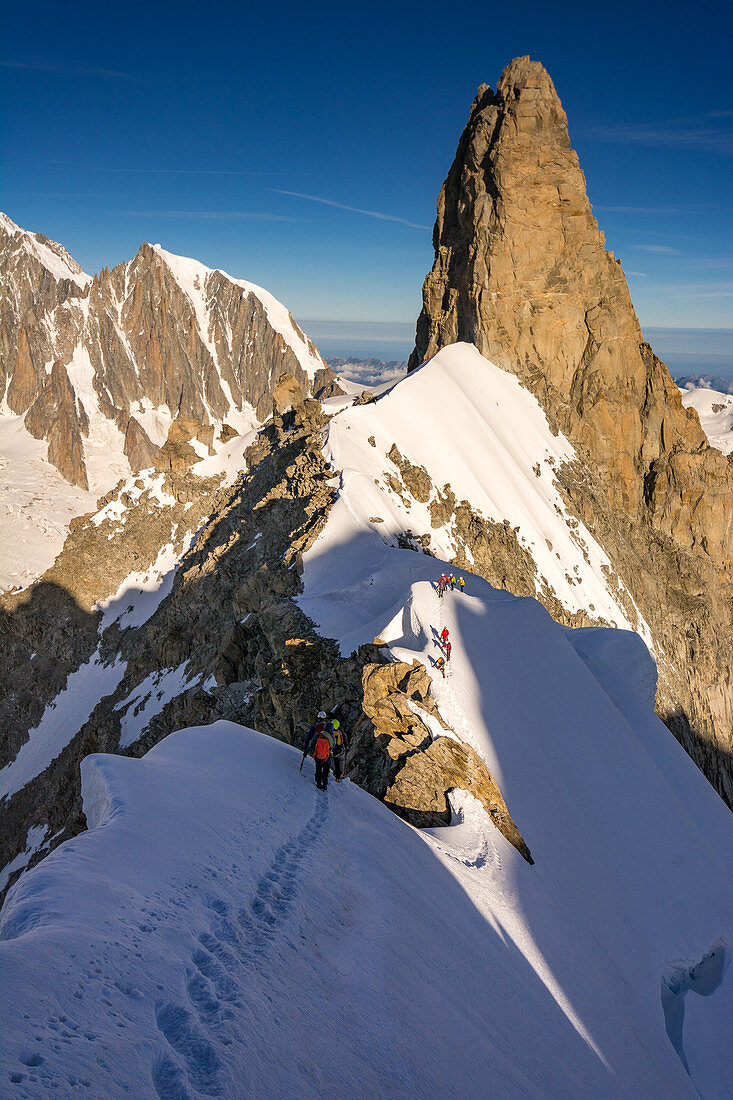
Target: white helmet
{"points": [[321, 714]]}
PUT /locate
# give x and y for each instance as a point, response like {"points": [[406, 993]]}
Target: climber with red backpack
{"points": [[319, 744]]}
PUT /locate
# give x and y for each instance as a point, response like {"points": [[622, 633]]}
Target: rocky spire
{"points": [[521, 271]]}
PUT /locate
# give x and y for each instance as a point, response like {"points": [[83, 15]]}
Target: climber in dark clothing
{"points": [[319, 744]]}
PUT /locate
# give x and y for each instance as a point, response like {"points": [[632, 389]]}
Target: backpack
{"points": [[338, 737], [323, 747]]}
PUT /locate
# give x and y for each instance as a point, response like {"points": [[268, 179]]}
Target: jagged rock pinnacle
{"points": [[522, 272]]}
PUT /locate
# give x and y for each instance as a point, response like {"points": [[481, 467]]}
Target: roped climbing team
{"points": [[326, 743]]}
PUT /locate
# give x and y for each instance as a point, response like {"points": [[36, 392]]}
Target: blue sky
{"points": [[303, 146]]}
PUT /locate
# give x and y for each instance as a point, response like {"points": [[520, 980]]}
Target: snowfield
{"points": [[36, 505], [715, 410], [221, 908]]}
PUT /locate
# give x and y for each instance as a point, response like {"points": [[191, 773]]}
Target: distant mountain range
{"points": [[101, 367]]}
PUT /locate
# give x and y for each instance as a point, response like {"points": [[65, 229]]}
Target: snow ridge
{"points": [[52, 255]]}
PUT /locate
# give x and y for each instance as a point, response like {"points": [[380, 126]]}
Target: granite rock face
{"points": [[152, 340], [521, 271], [36, 275], [56, 415]]}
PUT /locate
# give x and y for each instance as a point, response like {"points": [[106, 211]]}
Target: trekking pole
{"points": [[302, 762]]}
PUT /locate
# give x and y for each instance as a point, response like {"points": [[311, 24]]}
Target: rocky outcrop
{"points": [[287, 393], [427, 768], [522, 272], [141, 453], [55, 416]]}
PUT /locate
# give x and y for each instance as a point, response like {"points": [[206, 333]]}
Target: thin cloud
{"points": [[684, 133], [718, 293], [641, 274], [661, 249], [694, 290], [672, 211], [181, 171], [73, 70], [352, 209], [207, 215]]}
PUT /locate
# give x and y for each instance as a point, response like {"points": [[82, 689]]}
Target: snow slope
{"points": [[471, 425], [191, 276], [36, 505], [52, 255], [205, 963], [715, 410]]}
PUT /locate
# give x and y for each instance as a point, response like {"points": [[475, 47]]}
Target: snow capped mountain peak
{"points": [[98, 372], [192, 276], [50, 254], [8, 224]]}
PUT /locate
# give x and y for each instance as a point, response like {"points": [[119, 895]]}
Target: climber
{"points": [[318, 744], [442, 582], [444, 635], [452, 580], [447, 649], [440, 663], [462, 583], [338, 758]]}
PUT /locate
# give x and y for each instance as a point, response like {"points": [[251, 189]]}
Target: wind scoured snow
{"points": [[471, 426], [715, 410], [62, 718], [55, 259]]}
